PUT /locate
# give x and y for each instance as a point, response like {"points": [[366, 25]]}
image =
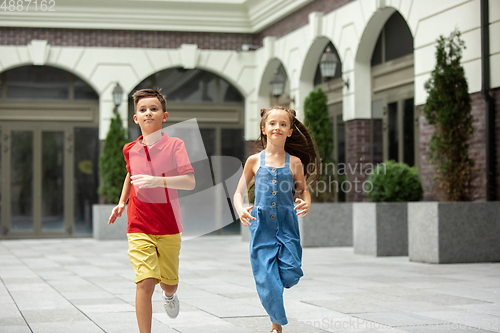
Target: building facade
{"points": [[215, 61]]}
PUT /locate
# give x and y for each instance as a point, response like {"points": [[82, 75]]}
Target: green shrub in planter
{"points": [[318, 122], [112, 164], [394, 181]]}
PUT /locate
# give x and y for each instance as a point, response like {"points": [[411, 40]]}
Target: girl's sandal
{"points": [[276, 331]]}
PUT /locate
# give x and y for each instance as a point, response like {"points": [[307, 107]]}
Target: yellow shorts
{"points": [[155, 256]]}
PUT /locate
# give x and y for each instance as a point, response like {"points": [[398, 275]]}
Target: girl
{"points": [[275, 251]]}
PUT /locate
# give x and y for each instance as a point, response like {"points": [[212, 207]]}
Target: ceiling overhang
{"points": [[229, 16]]}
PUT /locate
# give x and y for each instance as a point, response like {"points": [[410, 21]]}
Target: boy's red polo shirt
{"points": [[149, 209]]}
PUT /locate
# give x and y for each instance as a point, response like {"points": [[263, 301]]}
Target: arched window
{"points": [[395, 40], [46, 83], [192, 86]]}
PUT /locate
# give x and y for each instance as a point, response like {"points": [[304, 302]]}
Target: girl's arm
{"points": [[241, 190], [118, 210], [301, 190], [183, 182]]}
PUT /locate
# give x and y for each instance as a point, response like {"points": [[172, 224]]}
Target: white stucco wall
{"points": [[353, 29]]}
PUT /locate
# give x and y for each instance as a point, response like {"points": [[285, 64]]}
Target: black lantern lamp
{"points": [[277, 84], [117, 96], [328, 63]]}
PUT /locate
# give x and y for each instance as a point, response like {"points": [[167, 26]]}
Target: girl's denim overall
{"points": [[275, 251]]}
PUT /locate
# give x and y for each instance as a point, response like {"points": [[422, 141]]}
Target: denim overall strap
{"points": [[263, 158], [287, 160]]}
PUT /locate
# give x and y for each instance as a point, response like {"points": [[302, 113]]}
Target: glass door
{"points": [[400, 130], [21, 180], [35, 201], [52, 181]]}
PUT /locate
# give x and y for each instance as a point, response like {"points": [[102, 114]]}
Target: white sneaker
{"points": [[171, 305]]}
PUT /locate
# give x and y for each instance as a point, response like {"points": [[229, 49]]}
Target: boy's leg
{"points": [[168, 289], [144, 259], [143, 307], [168, 247]]}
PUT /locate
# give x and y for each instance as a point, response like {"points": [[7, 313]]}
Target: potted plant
{"points": [[329, 223], [457, 230], [113, 172], [381, 227]]}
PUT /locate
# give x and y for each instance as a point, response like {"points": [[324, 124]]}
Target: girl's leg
{"points": [[289, 263], [267, 279], [276, 327], [264, 250], [290, 257], [143, 306]]}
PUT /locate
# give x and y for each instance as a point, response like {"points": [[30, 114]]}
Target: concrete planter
{"points": [[454, 232], [101, 229], [327, 224], [380, 229]]}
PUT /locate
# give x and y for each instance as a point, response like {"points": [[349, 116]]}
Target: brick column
{"points": [[496, 97], [477, 144], [358, 163]]}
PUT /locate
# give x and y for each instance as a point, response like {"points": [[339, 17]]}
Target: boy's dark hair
{"points": [[299, 144], [146, 93]]}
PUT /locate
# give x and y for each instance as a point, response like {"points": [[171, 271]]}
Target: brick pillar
{"points": [[496, 97], [358, 163], [477, 144], [425, 168], [252, 147]]}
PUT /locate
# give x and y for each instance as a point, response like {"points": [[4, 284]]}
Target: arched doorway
{"points": [[394, 125], [219, 110], [333, 86], [49, 153]]}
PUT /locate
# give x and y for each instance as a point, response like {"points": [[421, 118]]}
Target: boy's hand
{"points": [[245, 216], [146, 181], [116, 213], [302, 207]]}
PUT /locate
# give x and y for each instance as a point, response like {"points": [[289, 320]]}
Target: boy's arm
{"points": [[183, 182], [118, 210]]}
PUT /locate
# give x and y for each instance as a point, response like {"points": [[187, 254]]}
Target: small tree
{"points": [[112, 163], [318, 122], [448, 109]]}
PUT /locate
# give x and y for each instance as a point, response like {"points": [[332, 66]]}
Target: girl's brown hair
{"points": [[299, 144]]}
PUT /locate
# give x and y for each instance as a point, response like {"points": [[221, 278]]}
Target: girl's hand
{"points": [[245, 216], [146, 181], [302, 207], [116, 213]]}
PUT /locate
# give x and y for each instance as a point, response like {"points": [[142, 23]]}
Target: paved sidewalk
{"points": [[84, 285]]}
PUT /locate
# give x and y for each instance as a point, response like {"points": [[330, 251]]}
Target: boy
{"points": [[157, 167]]}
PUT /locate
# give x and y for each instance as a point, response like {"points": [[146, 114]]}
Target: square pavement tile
{"points": [[15, 329], [467, 320], [350, 306], [66, 327], [441, 329], [397, 319]]}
